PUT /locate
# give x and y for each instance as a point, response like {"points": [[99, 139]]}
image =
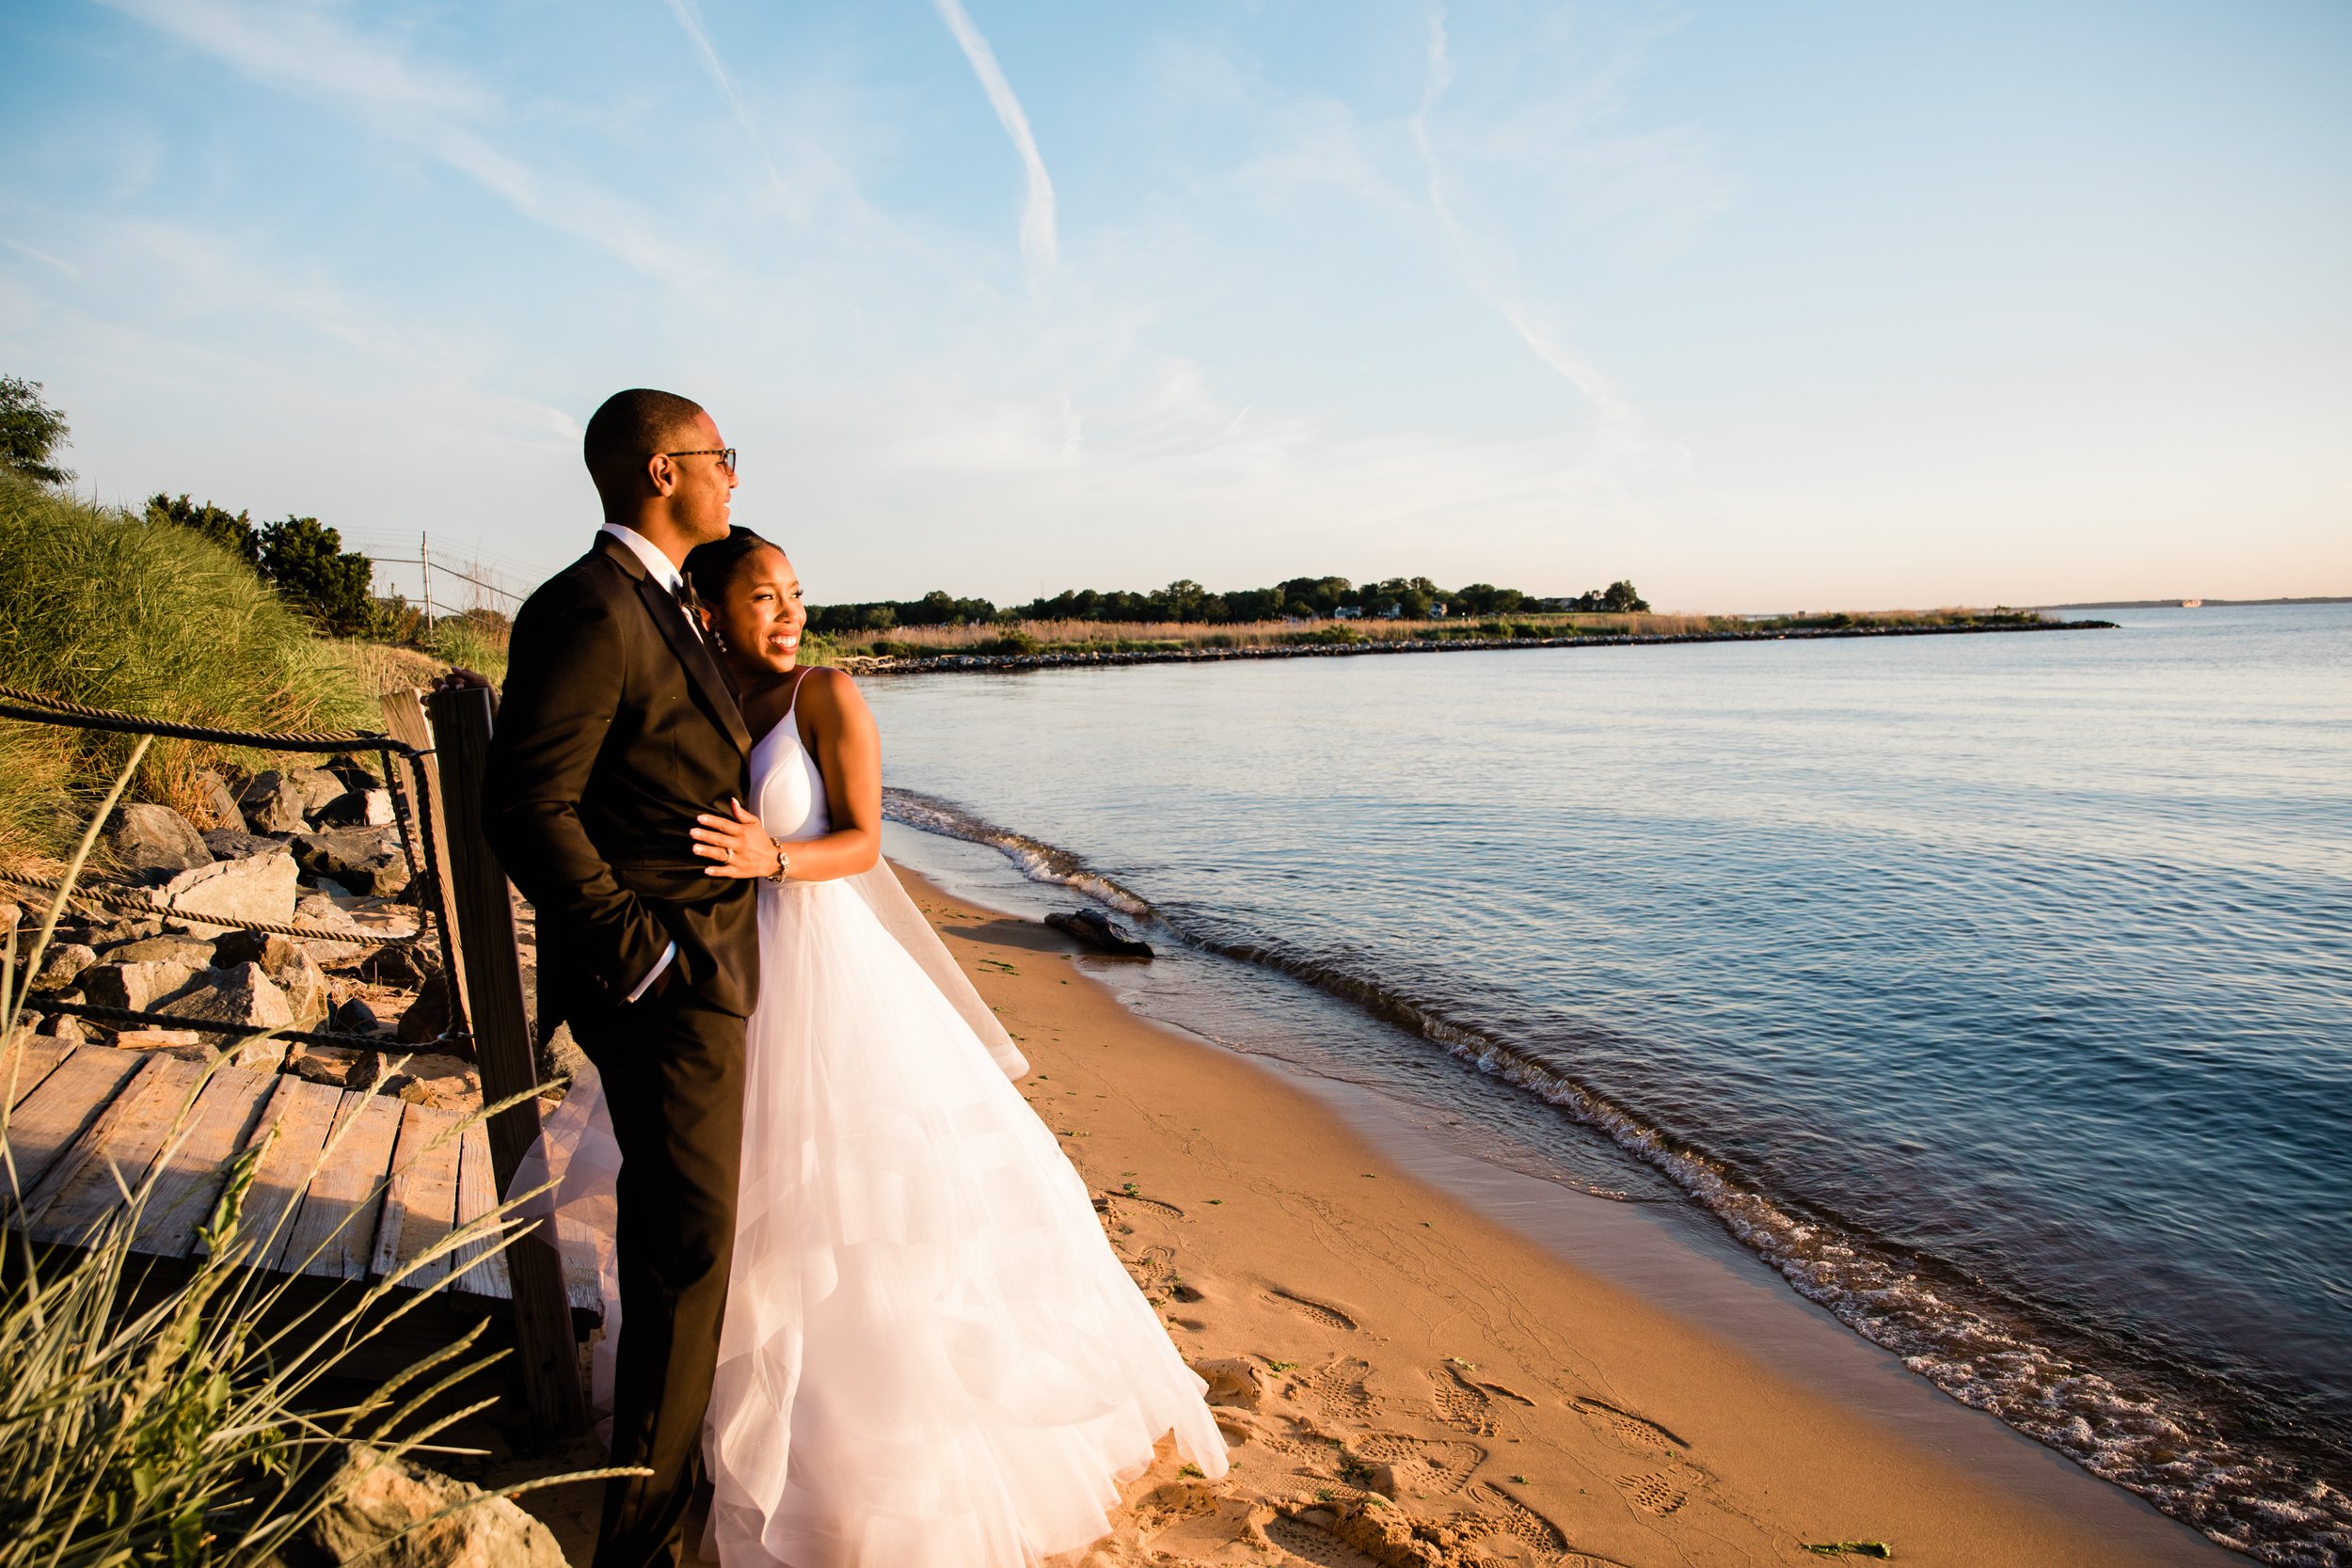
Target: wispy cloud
{"points": [[1488, 278], [308, 51], [689, 19], [1039, 244]]}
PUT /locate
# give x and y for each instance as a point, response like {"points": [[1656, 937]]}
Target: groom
{"points": [[618, 727]]}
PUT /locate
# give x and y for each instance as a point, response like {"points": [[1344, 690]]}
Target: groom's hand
{"points": [[460, 678]]}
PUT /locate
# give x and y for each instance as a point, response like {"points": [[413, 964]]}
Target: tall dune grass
{"points": [[195, 1426], [101, 607]]}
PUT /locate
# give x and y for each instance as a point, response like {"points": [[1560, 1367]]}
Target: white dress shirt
{"points": [[665, 572]]}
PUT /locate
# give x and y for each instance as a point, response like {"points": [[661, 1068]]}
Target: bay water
{"points": [[1994, 990]]}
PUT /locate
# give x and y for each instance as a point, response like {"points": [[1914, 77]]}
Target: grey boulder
{"points": [[360, 808], [395, 1515], [190, 952], [273, 803], [286, 962], [367, 861], [235, 844], [137, 986], [220, 802], [62, 964], [240, 994], [155, 838], [259, 887]]}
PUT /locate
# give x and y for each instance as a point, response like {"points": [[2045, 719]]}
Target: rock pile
{"points": [[317, 846]]}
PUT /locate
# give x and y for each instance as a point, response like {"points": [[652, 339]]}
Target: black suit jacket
{"points": [[618, 727]]}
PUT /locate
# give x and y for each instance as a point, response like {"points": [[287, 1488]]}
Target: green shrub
{"points": [[100, 607], [475, 640]]}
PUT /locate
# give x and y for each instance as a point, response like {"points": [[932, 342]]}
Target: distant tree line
{"points": [[1326, 598]]}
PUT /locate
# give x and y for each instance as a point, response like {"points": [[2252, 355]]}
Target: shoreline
{"points": [[959, 663], [1403, 1334]]}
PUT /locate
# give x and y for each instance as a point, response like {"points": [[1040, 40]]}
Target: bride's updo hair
{"points": [[712, 567]]}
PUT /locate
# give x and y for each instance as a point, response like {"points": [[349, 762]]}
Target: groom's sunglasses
{"points": [[725, 455]]}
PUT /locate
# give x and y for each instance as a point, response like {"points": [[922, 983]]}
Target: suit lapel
{"points": [[694, 655]]}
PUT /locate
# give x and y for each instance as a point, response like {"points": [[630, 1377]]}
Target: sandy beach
{"points": [[1405, 1383]]}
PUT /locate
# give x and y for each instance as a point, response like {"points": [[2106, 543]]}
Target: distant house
{"points": [[1348, 613], [1392, 613], [1436, 611]]}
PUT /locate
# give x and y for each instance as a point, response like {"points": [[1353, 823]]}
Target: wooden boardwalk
{"points": [[86, 1121]]}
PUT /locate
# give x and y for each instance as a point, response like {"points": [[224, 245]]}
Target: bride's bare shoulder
{"points": [[826, 691]]}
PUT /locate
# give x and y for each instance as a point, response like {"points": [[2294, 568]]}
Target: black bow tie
{"points": [[683, 592]]}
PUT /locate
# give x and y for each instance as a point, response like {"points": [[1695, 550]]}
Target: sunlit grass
{"points": [[194, 1426]]}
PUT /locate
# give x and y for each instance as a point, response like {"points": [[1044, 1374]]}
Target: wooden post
{"points": [[405, 721], [502, 1035]]}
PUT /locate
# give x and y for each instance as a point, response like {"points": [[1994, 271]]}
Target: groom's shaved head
{"points": [[630, 428]]}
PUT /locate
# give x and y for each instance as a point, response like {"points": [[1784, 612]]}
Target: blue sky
{"points": [[1762, 306]]}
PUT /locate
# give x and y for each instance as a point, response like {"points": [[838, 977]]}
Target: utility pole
{"points": [[425, 565]]}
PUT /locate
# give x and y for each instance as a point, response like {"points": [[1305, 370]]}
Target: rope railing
{"points": [[56, 710], [414, 821], [129, 903], [92, 1011]]}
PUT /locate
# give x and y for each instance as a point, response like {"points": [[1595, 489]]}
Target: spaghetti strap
{"points": [[793, 706]]}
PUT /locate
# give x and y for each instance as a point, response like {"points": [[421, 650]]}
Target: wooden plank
{"points": [[405, 721], [89, 1179], [334, 1234], [543, 1346], [477, 1194], [421, 1205], [23, 1064], [193, 1167], [68, 1099], [295, 1123]]}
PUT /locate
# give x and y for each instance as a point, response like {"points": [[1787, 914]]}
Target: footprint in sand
{"points": [[1153, 1270], [1311, 1543], [1633, 1431], [1661, 1492], [1520, 1520], [1338, 1388], [1461, 1403], [1422, 1464], [1319, 1312], [1120, 1202], [1507, 1392]]}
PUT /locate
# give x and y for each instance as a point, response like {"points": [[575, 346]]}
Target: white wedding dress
{"points": [[931, 1359]]}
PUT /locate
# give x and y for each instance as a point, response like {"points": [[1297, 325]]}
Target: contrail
{"points": [[1586, 378], [690, 19], [1038, 240]]}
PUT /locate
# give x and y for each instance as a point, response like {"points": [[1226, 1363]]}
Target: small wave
{"points": [[2153, 1444], [2150, 1442], [1039, 862]]}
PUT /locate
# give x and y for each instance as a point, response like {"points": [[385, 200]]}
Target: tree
{"points": [[234, 531], [30, 430], [309, 566], [1620, 598]]}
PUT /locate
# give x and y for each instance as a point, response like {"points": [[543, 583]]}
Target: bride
{"points": [[931, 1357]]}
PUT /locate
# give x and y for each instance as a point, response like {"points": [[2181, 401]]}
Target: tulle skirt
{"points": [[931, 1359]]}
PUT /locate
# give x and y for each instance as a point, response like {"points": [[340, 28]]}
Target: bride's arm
{"points": [[849, 754]]}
